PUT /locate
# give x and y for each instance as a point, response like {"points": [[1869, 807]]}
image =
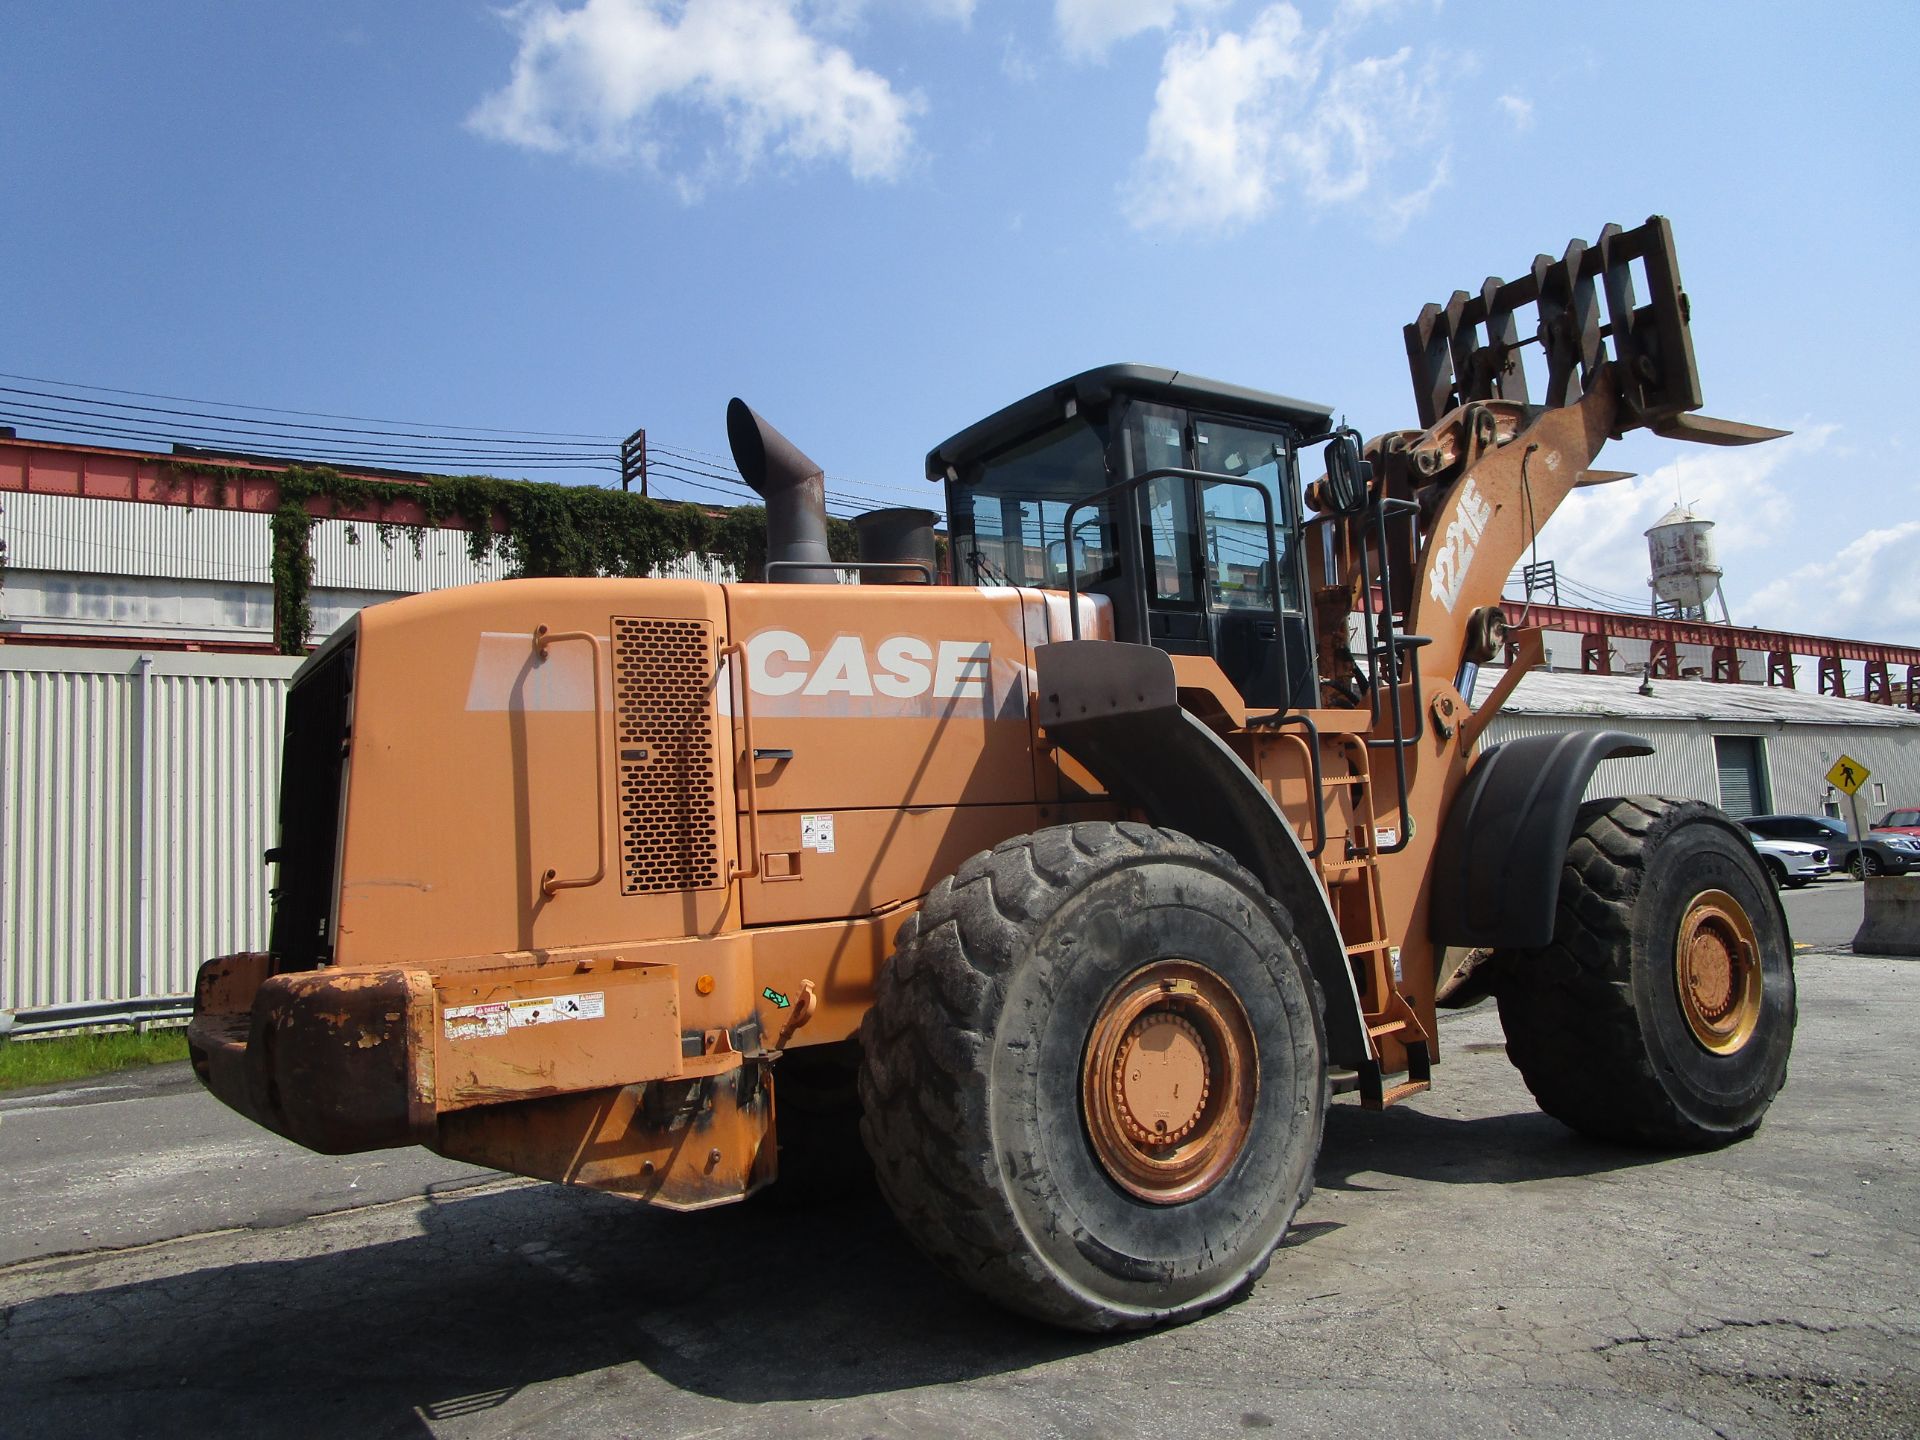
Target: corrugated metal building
{"points": [[1749, 749], [178, 574]]}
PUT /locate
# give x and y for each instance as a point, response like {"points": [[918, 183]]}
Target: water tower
{"points": [[1685, 573]]}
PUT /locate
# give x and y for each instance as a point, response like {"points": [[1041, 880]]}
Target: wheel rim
{"points": [[1169, 1083], [1717, 969]]}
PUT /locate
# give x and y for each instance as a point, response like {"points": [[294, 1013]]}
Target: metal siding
{"points": [[1681, 763], [77, 535], [73, 534], [350, 555], [215, 761], [1801, 755], [66, 811], [701, 567], [89, 894], [1795, 758]]}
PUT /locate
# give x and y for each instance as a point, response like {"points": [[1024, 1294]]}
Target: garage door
{"points": [[1743, 781]]}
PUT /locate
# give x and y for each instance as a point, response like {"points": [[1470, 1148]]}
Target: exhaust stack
{"points": [[900, 537], [795, 490]]}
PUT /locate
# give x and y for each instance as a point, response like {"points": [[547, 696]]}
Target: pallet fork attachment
{"points": [[1470, 348]]}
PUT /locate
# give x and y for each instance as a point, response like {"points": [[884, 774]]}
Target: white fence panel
{"points": [[136, 798]]}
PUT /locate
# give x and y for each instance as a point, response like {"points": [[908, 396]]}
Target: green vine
{"points": [[536, 529]]}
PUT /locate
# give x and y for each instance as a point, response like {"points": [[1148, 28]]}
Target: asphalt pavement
{"points": [[1826, 913], [1467, 1266]]}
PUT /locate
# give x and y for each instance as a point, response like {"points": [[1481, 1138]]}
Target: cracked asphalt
{"points": [[1466, 1266]]}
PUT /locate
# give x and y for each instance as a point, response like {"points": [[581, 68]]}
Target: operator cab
{"points": [[1176, 497]]}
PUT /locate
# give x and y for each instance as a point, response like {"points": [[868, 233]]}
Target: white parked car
{"points": [[1793, 862]]}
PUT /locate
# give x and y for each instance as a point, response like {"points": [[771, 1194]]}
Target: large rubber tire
{"points": [[1595, 1021], [971, 1081]]}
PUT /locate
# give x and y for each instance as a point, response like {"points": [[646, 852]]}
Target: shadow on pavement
{"points": [[509, 1289], [500, 1292], [1487, 1150]]}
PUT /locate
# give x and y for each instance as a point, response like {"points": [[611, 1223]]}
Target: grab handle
{"points": [[552, 881], [738, 673]]}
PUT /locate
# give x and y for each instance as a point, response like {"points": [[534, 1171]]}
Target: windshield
{"points": [[1008, 521]]}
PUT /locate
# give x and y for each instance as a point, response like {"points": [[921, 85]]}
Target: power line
{"points": [[309, 414], [273, 426], [311, 451], [50, 414], [213, 427]]}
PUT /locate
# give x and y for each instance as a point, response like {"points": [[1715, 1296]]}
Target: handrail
{"points": [[1176, 473], [1206, 607], [1310, 742], [544, 640], [744, 764], [1385, 651]]}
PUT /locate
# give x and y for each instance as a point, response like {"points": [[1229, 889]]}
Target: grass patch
{"points": [[73, 1057]]}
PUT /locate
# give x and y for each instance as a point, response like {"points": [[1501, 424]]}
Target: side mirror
{"points": [[1347, 474]]}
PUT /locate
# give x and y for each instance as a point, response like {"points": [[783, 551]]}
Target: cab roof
{"points": [[1095, 389]]}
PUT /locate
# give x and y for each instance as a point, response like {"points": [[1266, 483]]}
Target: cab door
{"points": [[1268, 655], [1216, 583]]}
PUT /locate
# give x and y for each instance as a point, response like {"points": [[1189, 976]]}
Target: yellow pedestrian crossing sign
{"points": [[1848, 775]]}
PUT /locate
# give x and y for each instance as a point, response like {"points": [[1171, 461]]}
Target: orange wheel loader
{"points": [[1086, 863]]}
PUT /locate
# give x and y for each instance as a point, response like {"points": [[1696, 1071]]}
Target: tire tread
{"points": [[1568, 1009], [927, 1057]]}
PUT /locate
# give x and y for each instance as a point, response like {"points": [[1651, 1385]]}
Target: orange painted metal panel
{"points": [[473, 771], [519, 1034], [878, 857], [913, 696]]}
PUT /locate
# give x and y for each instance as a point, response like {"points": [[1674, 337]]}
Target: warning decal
{"points": [[816, 833], [477, 1022]]}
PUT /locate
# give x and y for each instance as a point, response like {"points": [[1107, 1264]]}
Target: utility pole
{"points": [[633, 461]]}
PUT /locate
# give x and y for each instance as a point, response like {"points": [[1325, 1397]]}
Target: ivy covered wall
{"points": [[536, 529]]}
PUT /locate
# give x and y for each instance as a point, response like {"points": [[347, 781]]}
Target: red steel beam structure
{"points": [[1597, 627], [45, 467]]}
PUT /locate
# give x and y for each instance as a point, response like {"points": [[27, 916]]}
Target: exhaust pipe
{"points": [[900, 537], [795, 490]]}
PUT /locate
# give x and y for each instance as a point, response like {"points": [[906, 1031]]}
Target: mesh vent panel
{"points": [[665, 748]]}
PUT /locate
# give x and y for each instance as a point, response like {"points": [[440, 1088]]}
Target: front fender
{"points": [[1115, 708], [1496, 876]]}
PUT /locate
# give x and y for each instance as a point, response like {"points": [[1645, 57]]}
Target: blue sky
{"points": [[877, 220]]}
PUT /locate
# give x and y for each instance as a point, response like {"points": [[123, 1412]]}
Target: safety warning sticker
{"points": [[816, 833], [475, 1022]]}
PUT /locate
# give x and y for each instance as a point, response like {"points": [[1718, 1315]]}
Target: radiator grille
{"points": [[668, 763]]}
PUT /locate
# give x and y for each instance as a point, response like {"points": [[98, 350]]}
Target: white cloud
{"points": [[840, 14], [1870, 590], [1016, 64], [1090, 28], [1519, 110], [1240, 117], [1598, 536], [617, 80]]}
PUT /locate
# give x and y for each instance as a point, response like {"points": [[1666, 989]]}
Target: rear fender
{"points": [[1115, 708]]}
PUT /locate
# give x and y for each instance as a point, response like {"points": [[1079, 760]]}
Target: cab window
{"points": [[1234, 522], [1008, 518]]}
